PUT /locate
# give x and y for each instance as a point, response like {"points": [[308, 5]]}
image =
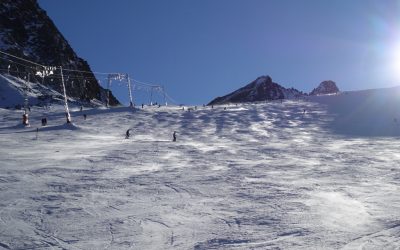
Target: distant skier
{"points": [[25, 120], [84, 116], [128, 134], [81, 108], [44, 121], [174, 136], [142, 105], [68, 117], [304, 111]]}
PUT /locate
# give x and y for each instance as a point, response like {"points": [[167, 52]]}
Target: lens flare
{"points": [[395, 60], [396, 55]]}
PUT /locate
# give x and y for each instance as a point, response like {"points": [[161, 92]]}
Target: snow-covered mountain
{"points": [[261, 89], [320, 172], [27, 32], [325, 87]]}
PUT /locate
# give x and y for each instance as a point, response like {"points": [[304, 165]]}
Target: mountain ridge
{"points": [[26, 31], [264, 89], [261, 89]]}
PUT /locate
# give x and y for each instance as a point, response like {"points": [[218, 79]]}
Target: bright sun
{"points": [[394, 61], [396, 58]]}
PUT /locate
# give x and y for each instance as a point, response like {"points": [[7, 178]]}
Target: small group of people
{"points": [[128, 135], [25, 120], [152, 104]]}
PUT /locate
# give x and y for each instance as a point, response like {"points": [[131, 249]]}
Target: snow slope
{"points": [[12, 92], [13, 89], [374, 112], [265, 176]]}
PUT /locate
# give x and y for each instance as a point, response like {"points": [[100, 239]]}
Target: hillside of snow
{"points": [[321, 173], [14, 90], [374, 112]]}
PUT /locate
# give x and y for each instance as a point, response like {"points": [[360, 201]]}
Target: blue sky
{"points": [[203, 49]]}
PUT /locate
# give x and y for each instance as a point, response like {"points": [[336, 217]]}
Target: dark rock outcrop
{"points": [[261, 89], [27, 32], [325, 87]]}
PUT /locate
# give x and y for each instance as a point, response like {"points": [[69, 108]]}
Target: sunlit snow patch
{"points": [[338, 211]]}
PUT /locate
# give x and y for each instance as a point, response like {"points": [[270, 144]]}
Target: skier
{"points": [[68, 117], [84, 116], [44, 121], [25, 120], [174, 136], [127, 134], [142, 105]]}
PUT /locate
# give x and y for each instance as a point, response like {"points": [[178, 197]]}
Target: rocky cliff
{"points": [[325, 87], [27, 32]]}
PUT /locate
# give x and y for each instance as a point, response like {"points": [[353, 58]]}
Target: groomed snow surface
{"points": [[253, 176]]}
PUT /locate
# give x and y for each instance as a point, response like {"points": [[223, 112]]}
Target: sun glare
{"points": [[394, 60]]}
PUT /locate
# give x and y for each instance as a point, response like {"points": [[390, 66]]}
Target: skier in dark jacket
{"points": [[174, 136], [44, 121], [127, 134]]}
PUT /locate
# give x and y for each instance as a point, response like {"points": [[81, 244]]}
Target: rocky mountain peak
{"points": [[325, 87], [261, 89]]}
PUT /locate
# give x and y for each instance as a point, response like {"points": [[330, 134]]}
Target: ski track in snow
{"points": [[263, 176]]}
